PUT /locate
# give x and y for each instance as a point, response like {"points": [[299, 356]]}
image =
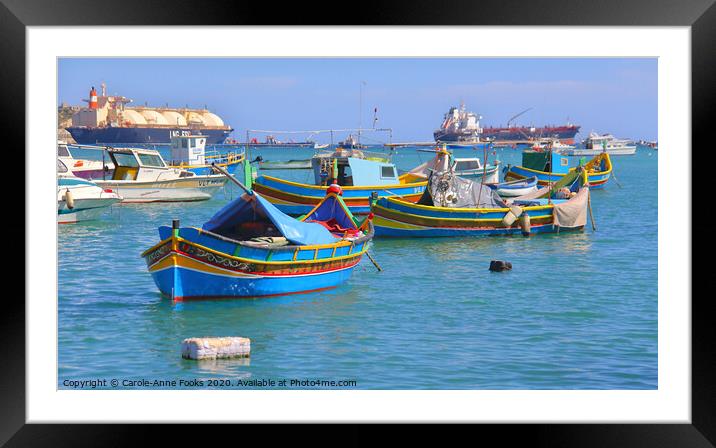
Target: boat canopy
{"points": [[545, 161], [333, 214], [251, 216]]}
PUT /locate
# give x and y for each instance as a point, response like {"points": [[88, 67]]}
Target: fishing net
{"points": [[445, 189]]}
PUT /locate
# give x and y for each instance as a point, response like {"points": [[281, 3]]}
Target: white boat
{"points": [[84, 168], [515, 188], [551, 144], [141, 175], [80, 199], [317, 146], [472, 167], [596, 144]]}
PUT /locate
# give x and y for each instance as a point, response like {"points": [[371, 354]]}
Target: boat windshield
{"points": [[151, 160], [126, 159], [464, 165]]}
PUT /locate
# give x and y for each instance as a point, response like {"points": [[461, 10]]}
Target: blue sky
{"points": [[605, 95]]}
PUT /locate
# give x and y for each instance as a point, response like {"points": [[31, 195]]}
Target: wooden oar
{"points": [[375, 263], [232, 178], [589, 206]]}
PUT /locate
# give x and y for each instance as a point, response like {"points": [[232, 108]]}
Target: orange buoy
{"points": [[93, 99]]}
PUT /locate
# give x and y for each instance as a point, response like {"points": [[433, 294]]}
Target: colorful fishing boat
{"points": [[453, 206], [550, 166], [80, 199], [360, 174], [251, 249], [515, 188]]}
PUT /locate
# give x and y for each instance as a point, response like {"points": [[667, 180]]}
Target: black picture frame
{"points": [[16, 15]]}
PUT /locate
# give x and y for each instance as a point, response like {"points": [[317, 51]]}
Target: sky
{"points": [[605, 95]]}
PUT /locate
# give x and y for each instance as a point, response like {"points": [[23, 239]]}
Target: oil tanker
{"points": [[462, 126], [108, 119]]}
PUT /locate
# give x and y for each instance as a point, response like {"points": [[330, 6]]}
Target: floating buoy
{"points": [[526, 225], [69, 200], [499, 266], [511, 216], [215, 348]]}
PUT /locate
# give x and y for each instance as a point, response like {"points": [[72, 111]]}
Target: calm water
{"points": [[578, 311]]}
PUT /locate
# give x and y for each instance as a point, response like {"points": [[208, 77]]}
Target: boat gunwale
{"points": [[348, 187], [466, 210], [290, 247]]}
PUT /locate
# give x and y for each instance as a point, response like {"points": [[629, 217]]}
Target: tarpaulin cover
{"points": [[252, 208], [331, 207], [572, 213]]}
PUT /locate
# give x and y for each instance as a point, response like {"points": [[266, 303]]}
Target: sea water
{"points": [[578, 310]]}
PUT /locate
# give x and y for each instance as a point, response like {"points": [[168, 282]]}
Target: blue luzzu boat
{"points": [[251, 249], [549, 167], [452, 206]]}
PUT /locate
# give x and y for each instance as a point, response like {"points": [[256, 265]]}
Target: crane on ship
{"points": [[511, 120]]}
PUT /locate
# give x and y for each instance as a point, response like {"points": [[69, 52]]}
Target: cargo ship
{"points": [[108, 119], [462, 126]]}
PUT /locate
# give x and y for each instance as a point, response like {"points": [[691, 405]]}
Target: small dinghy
{"points": [[515, 188]]}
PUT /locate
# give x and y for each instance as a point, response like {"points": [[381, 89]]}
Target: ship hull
{"points": [[140, 135], [565, 134]]}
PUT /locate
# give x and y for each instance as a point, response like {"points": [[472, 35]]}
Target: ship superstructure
{"points": [[459, 125]]}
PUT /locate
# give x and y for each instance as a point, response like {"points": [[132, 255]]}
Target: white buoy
{"points": [[215, 348], [511, 216], [526, 225], [69, 200]]}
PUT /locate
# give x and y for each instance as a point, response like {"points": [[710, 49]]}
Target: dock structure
{"points": [[215, 348]]}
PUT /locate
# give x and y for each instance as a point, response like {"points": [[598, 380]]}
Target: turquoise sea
{"points": [[578, 310]]}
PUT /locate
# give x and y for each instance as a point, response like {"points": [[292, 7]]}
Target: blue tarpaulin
{"points": [[251, 208], [329, 209]]}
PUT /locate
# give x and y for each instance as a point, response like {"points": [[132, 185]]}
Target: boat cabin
{"points": [[545, 161], [141, 165], [353, 169], [188, 149], [468, 164]]}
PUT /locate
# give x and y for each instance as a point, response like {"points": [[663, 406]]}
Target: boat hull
{"points": [[597, 179], [176, 190], [84, 210], [577, 152], [88, 200], [140, 135], [394, 218], [298, 199], [184, 269]]}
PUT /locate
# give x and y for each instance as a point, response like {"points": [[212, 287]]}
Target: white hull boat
{"points": [[474, 169], [621, 151], [596, 144], [80, 199], [141, 175]]}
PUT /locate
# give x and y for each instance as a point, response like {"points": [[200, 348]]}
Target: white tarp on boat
{"points": [[572, 213]]}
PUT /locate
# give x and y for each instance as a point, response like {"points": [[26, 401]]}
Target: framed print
{"points": [[475, 218]]}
